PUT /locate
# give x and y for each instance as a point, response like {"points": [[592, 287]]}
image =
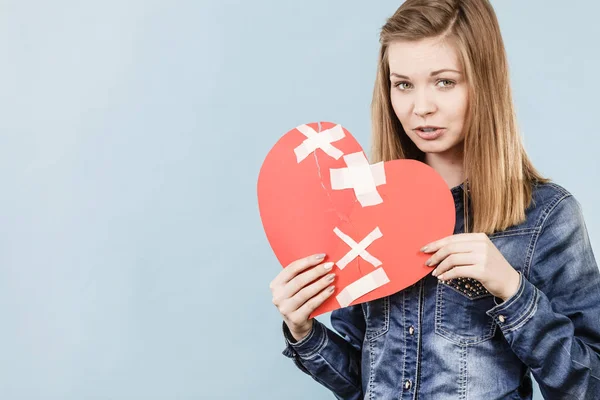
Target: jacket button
{"points": [[501, 318], [411, 330], [407, 384]]}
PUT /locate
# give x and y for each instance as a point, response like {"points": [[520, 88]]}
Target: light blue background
{"points": [[133, 264]]}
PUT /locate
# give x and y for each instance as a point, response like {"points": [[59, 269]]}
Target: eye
{"points": [[402, 85], [446, 83]]}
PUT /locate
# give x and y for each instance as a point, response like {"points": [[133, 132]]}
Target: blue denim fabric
{"points": [[438, 340]]}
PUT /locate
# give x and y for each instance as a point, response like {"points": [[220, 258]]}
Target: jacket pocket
{"points": [[377, 317], [460, 312]]}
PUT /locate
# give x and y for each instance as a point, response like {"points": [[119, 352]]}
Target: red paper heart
{"points": [[300, 212]]}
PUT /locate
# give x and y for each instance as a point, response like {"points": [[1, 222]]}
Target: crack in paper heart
{"points": [[341, 216]]}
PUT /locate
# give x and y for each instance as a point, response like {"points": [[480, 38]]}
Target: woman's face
{"points": [[428, 93]]}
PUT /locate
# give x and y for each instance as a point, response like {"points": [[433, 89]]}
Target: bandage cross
{"points": [[358, 249], [319, 140], [360, 176]]}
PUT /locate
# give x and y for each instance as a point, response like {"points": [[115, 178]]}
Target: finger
{"points": [[303, 279], [452, 248], [309, 292], [454, 260], [289, 272], [311, 305], [463, 271], [459, 237]]}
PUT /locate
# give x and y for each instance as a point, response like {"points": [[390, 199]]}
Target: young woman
{"points": [[514, 292]]}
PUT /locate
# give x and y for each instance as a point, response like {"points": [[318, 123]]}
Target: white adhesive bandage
{"points": [[319, 140], [362, 286], [358, 249], [360, 176]]}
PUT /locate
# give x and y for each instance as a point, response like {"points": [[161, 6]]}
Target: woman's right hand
{"points": [[296, 297]]}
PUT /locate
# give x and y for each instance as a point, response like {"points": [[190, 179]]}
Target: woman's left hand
{"points": [[473, 255]]}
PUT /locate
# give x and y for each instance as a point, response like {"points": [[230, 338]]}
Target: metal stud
{"points": [[468, 286]]}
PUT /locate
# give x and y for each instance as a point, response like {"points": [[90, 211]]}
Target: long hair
{"points": [[499, 174]]}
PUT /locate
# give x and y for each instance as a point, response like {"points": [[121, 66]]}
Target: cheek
{"points": [[458, 104], [401, 106]]}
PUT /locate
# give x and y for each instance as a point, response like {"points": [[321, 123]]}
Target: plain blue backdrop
{"points": [[133, 264]]}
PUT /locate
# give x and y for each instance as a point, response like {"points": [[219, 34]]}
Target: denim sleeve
{"points": [[332, 360], [552, 323]]}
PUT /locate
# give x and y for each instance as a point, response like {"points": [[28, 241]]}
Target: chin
{"points": [[436, 147]]}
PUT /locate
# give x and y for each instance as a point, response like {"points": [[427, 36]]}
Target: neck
{"points": [[448, 165]]}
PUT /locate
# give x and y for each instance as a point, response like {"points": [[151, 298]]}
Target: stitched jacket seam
{"points": [[322, 344], [527, 314], [540, 227]]}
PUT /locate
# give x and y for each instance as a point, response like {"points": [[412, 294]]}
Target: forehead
{"points": [[423, 56]]}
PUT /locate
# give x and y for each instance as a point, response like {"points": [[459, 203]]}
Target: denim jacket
{"points": [[455, 340]]}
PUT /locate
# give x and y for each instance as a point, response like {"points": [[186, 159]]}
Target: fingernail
{"points": [[328, 266], [441, 277], [330, 289], [424, 248], [320, 256], [428, 262], [435, 272], [330, 277]]}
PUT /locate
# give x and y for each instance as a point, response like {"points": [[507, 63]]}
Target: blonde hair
{"points": [[499, 174]]}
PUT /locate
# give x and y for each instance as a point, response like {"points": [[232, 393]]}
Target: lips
{"points": [[428, 127], [429, 132]]}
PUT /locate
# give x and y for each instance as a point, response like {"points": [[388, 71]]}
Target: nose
{"points": [[424, 104]]}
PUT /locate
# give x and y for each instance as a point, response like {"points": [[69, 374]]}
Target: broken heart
{"points": [[317, 193]]}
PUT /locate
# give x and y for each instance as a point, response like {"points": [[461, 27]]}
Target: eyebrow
{"points": [[434, 73]]}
